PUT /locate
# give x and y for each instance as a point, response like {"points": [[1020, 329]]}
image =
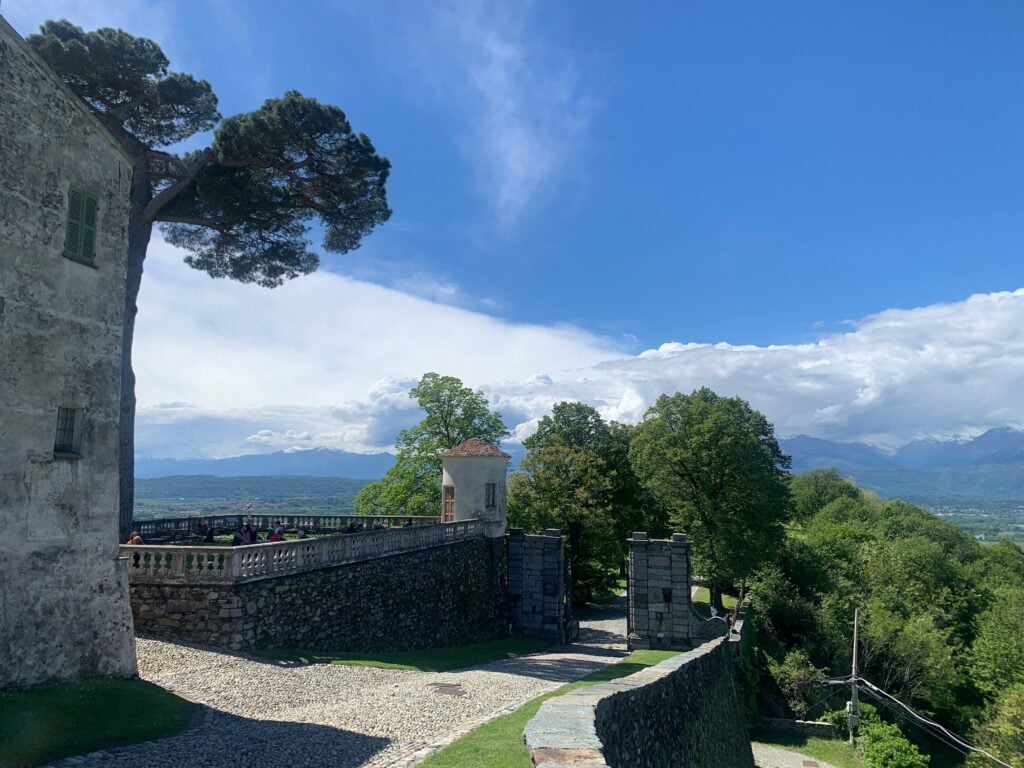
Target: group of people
{"points": [[247, 534]]}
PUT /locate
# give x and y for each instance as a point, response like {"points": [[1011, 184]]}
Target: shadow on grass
{"points": [[48, 722]]}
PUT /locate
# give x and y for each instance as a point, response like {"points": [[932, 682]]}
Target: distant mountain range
{"points": [[983, 470], [316, 462], [988, 468]]}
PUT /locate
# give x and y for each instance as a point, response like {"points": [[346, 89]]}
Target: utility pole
{"points": [[852, 708]]}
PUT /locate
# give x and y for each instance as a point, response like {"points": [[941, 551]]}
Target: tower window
{"points": [[69, 432], [491, 495]]}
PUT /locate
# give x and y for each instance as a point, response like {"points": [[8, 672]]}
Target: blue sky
{"points": [[758, 175]]}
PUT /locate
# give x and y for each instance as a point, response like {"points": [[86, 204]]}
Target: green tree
{"points": [[571, 489], [577, 425], [715, 464], [997, 656], [243, 205], [1002, 734], [580, 427], [813, 490], [454, 414]]}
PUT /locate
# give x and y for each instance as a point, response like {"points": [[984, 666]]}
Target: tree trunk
{"points": [[139, 233], [716, 598]]}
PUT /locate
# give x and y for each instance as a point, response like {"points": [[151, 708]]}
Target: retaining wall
{"points": [[686, 712], [451, 594]]}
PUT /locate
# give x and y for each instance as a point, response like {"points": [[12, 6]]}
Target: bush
{"points": [[799, 681], [883, 745]]}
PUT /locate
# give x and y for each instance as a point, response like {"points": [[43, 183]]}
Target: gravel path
{"points": [[261, 713], [769, 756]]}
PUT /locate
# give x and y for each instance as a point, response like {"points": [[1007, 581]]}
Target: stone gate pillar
{"points": [[660, 615]]}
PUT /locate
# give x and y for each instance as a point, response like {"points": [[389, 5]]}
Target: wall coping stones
{"points": [[567, 723], [564, 731]]}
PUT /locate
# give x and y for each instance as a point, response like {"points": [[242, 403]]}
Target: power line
{"points": [[901, 715], [893, 703]]}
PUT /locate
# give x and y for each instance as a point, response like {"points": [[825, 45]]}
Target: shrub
{"points": [[883, 745]]}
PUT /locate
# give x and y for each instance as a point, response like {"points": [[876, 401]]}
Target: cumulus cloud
{"points": [[328, 361]]}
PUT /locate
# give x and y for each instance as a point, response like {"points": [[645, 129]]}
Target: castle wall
{"points": [[446, 595], [64, 610], [686, 712]]}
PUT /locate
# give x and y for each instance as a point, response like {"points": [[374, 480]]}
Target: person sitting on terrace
{"points": [[276, 535], [301, 534], [134, 538], [208, 534], [239, 538], [408, 523], [249, 534], [351, 527]]}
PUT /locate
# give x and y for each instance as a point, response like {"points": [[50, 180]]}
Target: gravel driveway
{"points": [[264, 713]]}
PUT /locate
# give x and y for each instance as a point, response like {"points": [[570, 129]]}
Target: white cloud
{"points": [[520, 95], [211, 357], [342, 355]]}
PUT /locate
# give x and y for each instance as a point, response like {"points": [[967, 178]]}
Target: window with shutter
{"points": [[80, 235]]}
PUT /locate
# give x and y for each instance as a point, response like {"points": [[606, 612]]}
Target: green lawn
{"points": [[43, 724], [837, 752], [429, 660], [499, 743], [702, 602]]}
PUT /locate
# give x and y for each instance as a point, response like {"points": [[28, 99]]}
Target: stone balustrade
{"points": [[174, 564]]}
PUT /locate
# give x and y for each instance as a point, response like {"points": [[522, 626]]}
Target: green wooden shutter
{"points": [[73, 237], [88, 227]]}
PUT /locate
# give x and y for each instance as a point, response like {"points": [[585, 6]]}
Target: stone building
{"points": [[64, 186], [474, 484]]}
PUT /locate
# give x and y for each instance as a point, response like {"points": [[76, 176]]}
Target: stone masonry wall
{"points": [[660, 613], [447, 595], [64, 610], [686, 712], [537, 588]]}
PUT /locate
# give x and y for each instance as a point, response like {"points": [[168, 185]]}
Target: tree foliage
{"points": [[577, 477], [1002, 732], [453, 414], [714, 463], [941, 615], [570, 489], [243, 206]]}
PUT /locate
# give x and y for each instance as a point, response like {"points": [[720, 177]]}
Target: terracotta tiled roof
{"points": [[475, 447]]}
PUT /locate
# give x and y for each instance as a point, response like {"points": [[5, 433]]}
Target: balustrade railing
{"points": [[184, 564], [182, 527]]}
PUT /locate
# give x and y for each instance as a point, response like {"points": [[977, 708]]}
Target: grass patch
{"points": [[499, 743], [427, 660], [39, 725], [702, 602], [837, 752]]}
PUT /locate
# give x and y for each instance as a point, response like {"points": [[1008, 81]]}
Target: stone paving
{"points": [[262, 713], [769, 756]]}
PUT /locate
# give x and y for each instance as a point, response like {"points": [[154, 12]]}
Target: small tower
{"points": [[474, 485]]}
